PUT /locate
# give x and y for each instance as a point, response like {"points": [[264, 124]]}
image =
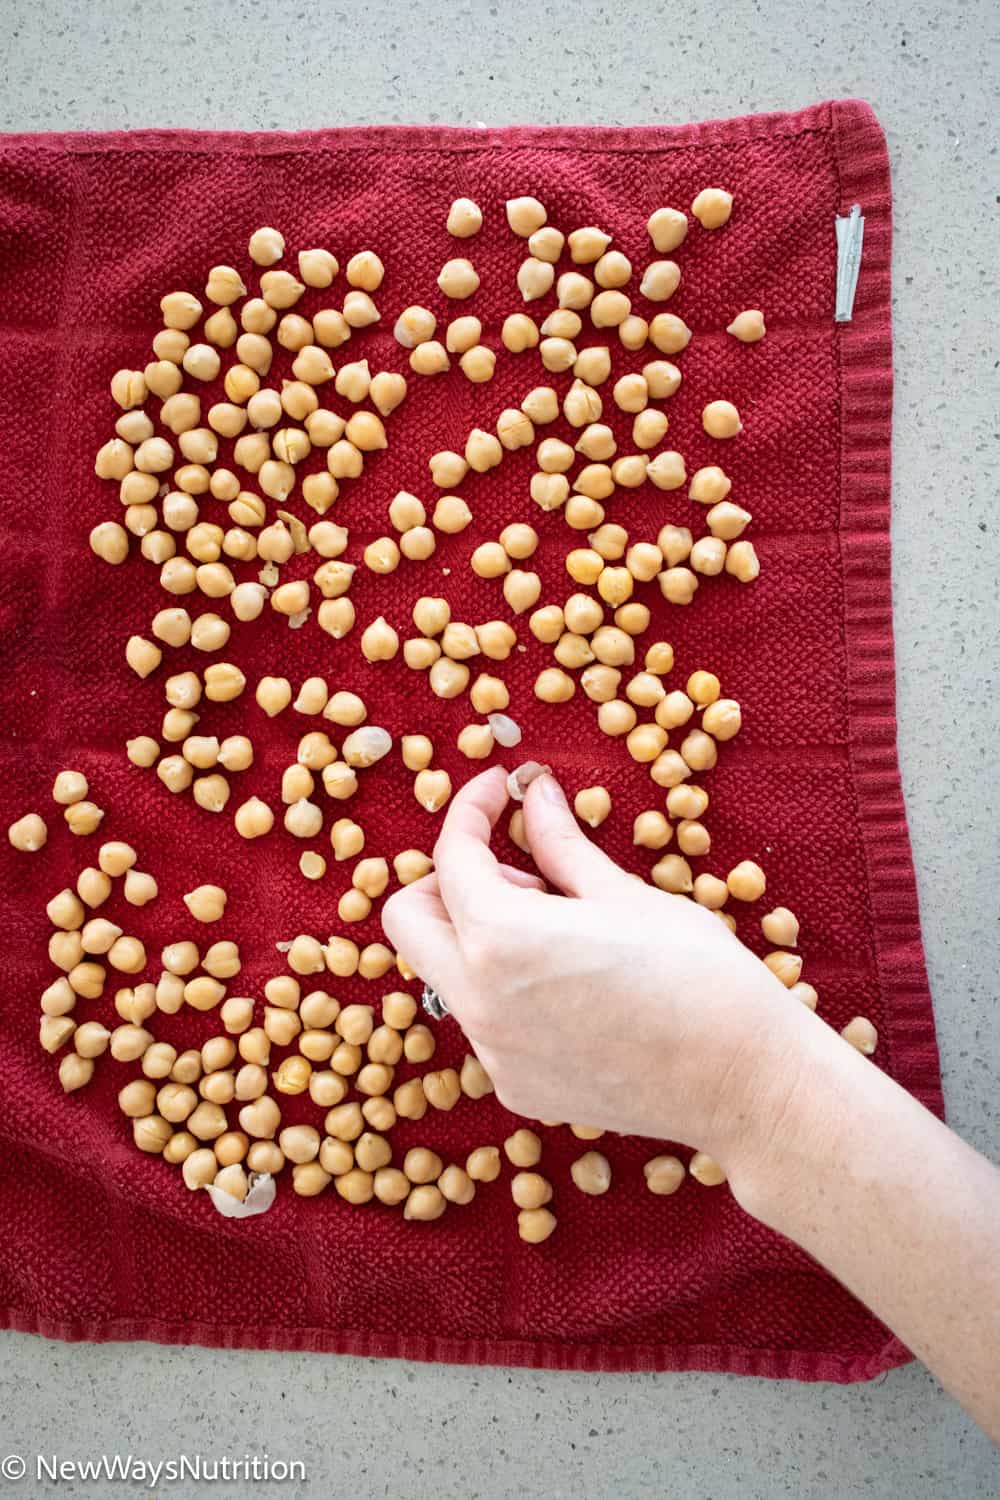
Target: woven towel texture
{"points": [[100, 1242]]}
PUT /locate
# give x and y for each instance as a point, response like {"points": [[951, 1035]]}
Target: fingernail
{"points": [[549, 788]]}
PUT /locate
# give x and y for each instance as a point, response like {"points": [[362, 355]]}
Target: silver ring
{"points": [[433, 1003]]}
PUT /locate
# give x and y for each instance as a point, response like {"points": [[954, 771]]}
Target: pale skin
{"points": [[594, 998]]}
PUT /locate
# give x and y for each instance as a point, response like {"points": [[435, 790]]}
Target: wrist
{"points": [[776, 1103]]}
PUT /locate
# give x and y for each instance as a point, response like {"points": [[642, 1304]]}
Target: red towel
{"points": [[101, 1242]]}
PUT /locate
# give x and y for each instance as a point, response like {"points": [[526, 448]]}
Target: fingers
{"points": [[467, 870], [417, 925], [523, 878], [559, 847]]}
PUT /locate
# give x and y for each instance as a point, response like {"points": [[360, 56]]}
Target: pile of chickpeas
{"points": [[179, 464]]}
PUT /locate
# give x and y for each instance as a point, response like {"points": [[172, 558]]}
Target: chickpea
{"points": [[379, 642], [496, 639], [523, 1148], [601, 683], [253, 818], [591, 1173], [645, 742], [615, 717], [742, 562], [592, 806], [673, 873], [678, 585], [784, 966], [432, 789], [425, 1203], [660, 280], [663, 1174], [712, 207], [458, 279], [615, 585], [706, 1171], [554, 686], [534, 1225], [530, 1190], [365, 270], [720, 419], [651, 830], [421, 1165], [28, 833], [748, 327], [780, 926]]}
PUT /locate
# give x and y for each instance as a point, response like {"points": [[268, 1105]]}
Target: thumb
{"points": [[559, 847]]}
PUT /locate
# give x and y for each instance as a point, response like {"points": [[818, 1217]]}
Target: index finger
{"points": [[467, 869]]}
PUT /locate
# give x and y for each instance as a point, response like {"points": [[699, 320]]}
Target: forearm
{"points": [[849, 1166]]}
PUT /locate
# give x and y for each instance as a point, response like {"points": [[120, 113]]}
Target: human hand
{"points": [[610, 1003]]}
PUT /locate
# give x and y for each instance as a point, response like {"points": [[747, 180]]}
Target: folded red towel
{"points": [[101, 1242]]}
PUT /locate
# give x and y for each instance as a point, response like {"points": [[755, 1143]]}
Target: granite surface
{"points": [[368, 1428]]}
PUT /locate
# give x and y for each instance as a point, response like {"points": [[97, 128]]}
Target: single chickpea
{"points": [[722, 719], [600, 682], [649, 428], [706, 1171], [365, 270], [552, 685], [678, 585], [451, 514], [475, 741], [591, 1173], [253, 818], [708, 556], [633, 332], [664, 1175], [574, 291], [521, 589], [81, 818], [669, 769], [496, 639], [523, 1148], [748, 327], [660, 280], [432, 789], [780, 926], [645, 742], [615, 717], [712, 207], [787, 967], [651, 830], [668, 333], [861, 1034], [609, 309], [721, 419], [667, 470], [530, 1190], [728, 521], [28, 833], [379, 642], [693, 838], [430, 358], [535, 1225], [746, 881], [458, 279], [465, 218], [592, 806], [515, 429], [673, 873], [742, 562]]}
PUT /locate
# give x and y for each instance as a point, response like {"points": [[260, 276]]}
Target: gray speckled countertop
{"points": [[367, 1428]]}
